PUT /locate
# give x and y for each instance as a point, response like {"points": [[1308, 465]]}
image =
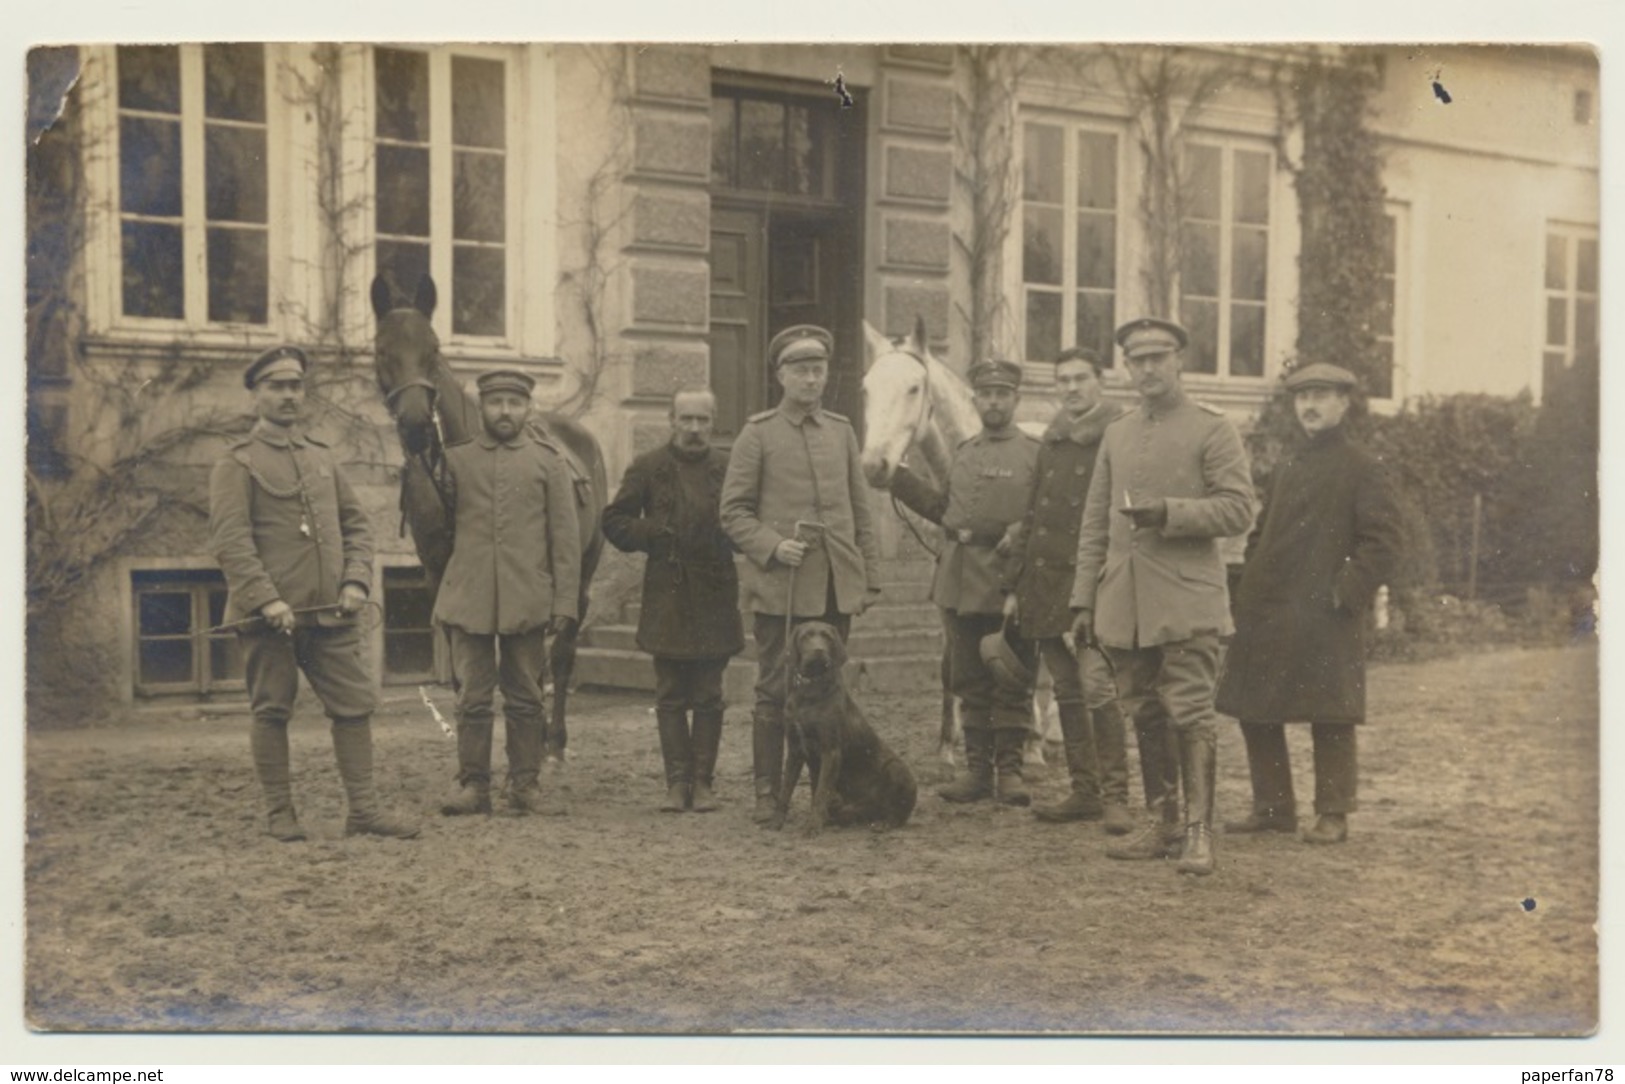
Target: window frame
{"points": [[197, 582], [386, 676], [1574, 234]]}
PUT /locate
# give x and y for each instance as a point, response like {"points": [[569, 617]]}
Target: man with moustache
{"points": [[1171, 480], [667, 507], [514, 575], [1328, 538]]}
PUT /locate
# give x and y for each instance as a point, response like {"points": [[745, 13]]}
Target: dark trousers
{"points": [[1181, 675], [1336, 767], [984, 702], [771, 642], [330, 659], [1083, 678], [688, 684], [482, 662]]}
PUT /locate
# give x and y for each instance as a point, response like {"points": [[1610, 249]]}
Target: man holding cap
{"points": [[514, 574], [296, 551], [1328, 538], [1171, 480], [990, 486], [795, 503]]}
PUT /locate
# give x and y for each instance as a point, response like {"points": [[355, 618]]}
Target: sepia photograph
{"points": [[910, 538]]}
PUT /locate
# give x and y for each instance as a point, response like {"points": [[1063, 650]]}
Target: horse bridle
{"points": [[926, 408]]}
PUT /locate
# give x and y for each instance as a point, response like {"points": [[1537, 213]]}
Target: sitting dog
{"points": [[855, 778]]}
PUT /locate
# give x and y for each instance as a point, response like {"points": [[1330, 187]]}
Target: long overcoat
{"points": [[786, 467], [1047, 554], [667, 508], [1150, 586], [516, 561], [1328, 538]]}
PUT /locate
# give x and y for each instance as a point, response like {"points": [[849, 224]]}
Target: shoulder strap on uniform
{"points": [[1209, 407], [763, 415], [842, 418]]}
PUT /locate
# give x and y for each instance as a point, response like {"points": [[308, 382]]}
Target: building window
{"points": [[1068, 239], [1571, 296], [174, 651], [442, 180], [762, 142], [1382, 378], [193, 191], [409, 633], [1224, 258]]}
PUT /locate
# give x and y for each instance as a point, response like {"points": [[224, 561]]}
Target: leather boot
{"points": [[1111, 754], [767, 759], [677, 751], [1197, 768], [473, 791], [526, 738], [977, 781], [1275, 809], [269, 744], [352, 748], [1329, 828], [1009, 742], [1083, 803], [707, 737]]}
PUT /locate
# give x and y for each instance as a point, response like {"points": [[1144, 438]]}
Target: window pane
{"points": [[478, 203], [1042, 164], [1557, 261], [1384, 322], [1096, 319], [1585, 322], [1097, 250], [402, 264], [761, 145], [1246, 340], [164, 613], [807, 139], [234, 82], [1097, 170], [1041, 245], [152, 270], [408, 652], [1248, 263], [1252, 187], [234, 174], [1202, 183], [225, 659], [1201, 319], [166, 662], [1382, 378], [149, 166], [477, 293], [1043, 325], [476, 103], [1585, 277], [407, 601], [149, 77], [217, 607], [402, 98], [1199, 263], [792, 277], [1389, 243], [403, 191], [1557, 321], [722, 142], [238, 262]]}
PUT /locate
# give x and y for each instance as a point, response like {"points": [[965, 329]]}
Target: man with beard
{"points": [[667, 508]]}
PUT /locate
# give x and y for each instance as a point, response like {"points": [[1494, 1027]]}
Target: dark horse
{"points": [[431, 409]]}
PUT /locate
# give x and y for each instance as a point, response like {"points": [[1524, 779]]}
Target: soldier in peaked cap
{"points": [[795, 502], [1327, 539], [514, 573], [990, 486], [294, 544], [1170, 481]]}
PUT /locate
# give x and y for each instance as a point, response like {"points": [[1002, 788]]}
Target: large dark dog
{"points": [[855, 778]]}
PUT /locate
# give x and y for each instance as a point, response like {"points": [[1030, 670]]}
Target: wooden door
{"points": [[738, 302]]}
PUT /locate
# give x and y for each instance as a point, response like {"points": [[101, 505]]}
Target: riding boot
{"points": [[352, 748], [1009, 742], [526, 735], [1083, 803], [767, 758], [1160, 836], [1275, 809], [1197, 767], [677, 751], [473, 792], [977, 781], [707, 737], [269, 743], [1111, 754]]}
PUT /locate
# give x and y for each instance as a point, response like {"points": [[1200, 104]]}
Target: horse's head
{"points": [[897, 398], [407, 351]]}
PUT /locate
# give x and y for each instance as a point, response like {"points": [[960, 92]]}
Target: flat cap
{"points": [[995, 374], [506, 380], [1148, 335], [1319, 375], [275, 362], [803, 342]]}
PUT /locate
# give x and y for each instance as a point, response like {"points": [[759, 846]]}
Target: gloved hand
{"points": [[352, 596], [1151, 514], [1083, 628], [565, 627], [279, 615]]}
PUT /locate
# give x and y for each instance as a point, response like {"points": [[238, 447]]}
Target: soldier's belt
{"points": [[975, 538]]}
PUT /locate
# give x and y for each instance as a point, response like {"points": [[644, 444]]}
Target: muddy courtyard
{"points": [[1464, 902]]}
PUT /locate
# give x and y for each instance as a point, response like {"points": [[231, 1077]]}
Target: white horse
{"points": [[918, 410]]}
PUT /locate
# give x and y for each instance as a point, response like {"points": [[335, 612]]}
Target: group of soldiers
{"points": [[1094, 548]]}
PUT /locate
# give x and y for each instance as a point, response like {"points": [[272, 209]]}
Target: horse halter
{"points": [[926, 405], [421, 382]]}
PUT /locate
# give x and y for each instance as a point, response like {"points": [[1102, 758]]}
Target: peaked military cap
{"points": [[506, 380], [803, 342], [995, 374], [1320, 375], [275, 361], [1148, 335]]}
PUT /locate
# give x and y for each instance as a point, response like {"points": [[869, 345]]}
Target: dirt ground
{"points": [[1464, 903]]}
